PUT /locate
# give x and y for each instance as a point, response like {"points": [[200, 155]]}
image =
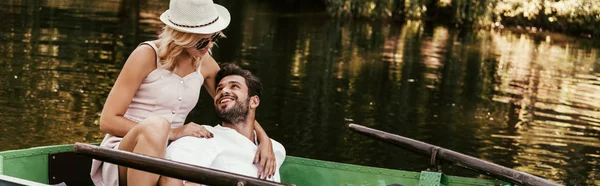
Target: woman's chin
{"points": [[203, 52]]}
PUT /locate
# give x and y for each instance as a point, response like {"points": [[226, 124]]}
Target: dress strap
{"points": [[155, 48]]}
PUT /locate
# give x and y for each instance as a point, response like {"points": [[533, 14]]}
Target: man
{"points": [[234, 144]]}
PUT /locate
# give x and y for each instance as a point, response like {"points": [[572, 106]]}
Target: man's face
{"points": [[231, 99]]}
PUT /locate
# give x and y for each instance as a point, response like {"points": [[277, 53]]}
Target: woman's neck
{"points": [[184, 58]]}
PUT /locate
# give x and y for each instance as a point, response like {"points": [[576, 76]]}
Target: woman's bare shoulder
{"points": [[142, 59]]}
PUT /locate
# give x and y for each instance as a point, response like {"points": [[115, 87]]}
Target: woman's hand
{"points": [[190, 129], [266, 159]]}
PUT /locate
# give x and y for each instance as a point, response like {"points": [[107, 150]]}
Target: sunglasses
{"points": [[204, 41]]}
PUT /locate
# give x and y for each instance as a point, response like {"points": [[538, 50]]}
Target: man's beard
{"points": [[236, 114]]}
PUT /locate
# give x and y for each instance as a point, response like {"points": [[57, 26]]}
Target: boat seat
{"points": [[69, 168]]}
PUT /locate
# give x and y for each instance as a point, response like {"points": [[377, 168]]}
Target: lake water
{"points": [[528, 102]]}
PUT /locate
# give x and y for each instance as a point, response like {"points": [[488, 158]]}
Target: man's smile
{"points": [[223, 101]]}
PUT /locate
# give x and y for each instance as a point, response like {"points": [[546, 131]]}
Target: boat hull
{"points": [[58, 164]]}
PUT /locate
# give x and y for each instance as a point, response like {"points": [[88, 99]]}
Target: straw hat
{"points": [[196, 16]]}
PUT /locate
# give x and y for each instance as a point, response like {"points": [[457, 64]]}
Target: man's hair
{"points": [[254, 85]]}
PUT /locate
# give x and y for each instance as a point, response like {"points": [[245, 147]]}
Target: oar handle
{"points": [[491, 169], [169, 168]]}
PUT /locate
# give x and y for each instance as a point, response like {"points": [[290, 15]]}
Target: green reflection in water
{"points": [[576, 17], [524, 102]]}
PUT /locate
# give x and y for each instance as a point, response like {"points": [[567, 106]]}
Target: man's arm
{"points": [[280, 154]]}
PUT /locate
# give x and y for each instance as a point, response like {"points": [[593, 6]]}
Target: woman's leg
{"points": [[150, 138]]}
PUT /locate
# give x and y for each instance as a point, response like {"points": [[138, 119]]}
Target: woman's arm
{"points": [[264, 155], [210, 68], [136, 68]]}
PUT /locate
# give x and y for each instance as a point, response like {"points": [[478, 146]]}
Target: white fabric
{"points": [[228, 151]]}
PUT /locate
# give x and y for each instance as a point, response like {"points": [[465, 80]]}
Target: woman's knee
{"points": [[156, 121], [154, 125]]}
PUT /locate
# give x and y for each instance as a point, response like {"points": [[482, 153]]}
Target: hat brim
{"points": [[220, 24]]}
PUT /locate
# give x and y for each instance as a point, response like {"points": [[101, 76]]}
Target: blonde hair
{"points": [[172, 43]]}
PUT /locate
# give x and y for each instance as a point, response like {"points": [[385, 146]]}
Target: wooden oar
{"points": [[452, 156], [169, 168]]}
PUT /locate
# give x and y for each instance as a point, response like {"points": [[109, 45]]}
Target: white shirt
{"points": [[228, 151]]}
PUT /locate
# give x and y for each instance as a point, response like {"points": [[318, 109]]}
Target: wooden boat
{"points": [[70, 164], [51, 165]]}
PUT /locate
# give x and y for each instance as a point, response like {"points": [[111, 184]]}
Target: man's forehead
{"points": [[233, 79]]}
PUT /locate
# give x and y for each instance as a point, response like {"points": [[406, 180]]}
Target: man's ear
{"points": [[254, 102]]}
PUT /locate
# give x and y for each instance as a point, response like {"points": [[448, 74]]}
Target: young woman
{"points": [[157, 88]]}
